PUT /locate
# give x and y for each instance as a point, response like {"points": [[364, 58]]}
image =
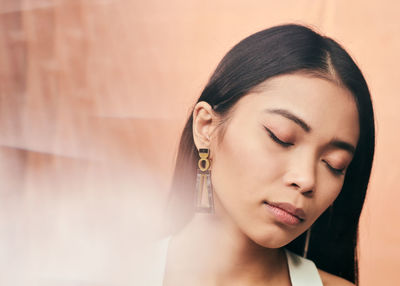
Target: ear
{"points": [[204, 124]]}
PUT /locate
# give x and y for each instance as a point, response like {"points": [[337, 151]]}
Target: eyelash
{"points": [[288, 144], [277, 140], [334, 170]]}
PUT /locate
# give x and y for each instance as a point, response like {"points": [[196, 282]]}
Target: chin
{"points": [[271, 241]]}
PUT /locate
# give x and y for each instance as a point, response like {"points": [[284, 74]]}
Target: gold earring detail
{"points": [[204, 192]]}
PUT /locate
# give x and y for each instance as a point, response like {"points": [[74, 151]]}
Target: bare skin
{"points": [[221, 257], [333, 280], [280, 145]]}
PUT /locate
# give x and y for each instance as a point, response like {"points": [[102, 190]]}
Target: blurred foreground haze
{"points": [[93, 97]]}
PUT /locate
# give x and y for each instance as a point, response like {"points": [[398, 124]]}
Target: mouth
{"points": [[285, 212]]}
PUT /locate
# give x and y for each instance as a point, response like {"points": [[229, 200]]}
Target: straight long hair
{"points": [[276, 51]]}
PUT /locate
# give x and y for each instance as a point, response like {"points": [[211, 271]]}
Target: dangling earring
{"points": [[204, 192], [306, 243]]}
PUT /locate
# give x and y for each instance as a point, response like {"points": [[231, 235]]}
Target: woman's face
{"points": [[283, 157]]}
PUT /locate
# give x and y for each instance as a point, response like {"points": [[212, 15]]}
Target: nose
{"points": [[301, 175]]}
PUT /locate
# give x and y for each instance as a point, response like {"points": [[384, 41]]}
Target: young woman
{"points": [[278, 152]]}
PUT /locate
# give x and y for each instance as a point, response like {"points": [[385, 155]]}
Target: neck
{"points": [[214, 247]]}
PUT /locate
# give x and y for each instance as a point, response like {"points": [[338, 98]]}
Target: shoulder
{"points": [[333, 280]]}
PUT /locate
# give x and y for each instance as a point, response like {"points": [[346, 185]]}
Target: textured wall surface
{"points": [[93, 95]]}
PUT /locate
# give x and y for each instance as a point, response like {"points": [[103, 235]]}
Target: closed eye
{"points": [[277, 140], [334, 170]]}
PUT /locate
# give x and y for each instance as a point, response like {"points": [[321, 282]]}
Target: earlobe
{"points": [[204, 120]]}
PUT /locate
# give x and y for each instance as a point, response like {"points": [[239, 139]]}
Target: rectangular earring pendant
{"points": [[204, 193]]}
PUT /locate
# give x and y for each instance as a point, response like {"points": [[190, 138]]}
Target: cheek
{"points": [[327, 194], [244, 165]]}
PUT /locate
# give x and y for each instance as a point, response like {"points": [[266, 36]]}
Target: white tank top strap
{"points": [[303, 272], [162, 261]]}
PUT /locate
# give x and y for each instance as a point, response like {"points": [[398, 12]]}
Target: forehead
{"points": [[328, 108]]}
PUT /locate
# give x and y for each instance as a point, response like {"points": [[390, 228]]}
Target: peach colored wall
{"points": [[93, 95]]}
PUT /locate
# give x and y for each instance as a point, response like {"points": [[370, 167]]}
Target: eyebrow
{"points": [[287, 114], [343, 145]]}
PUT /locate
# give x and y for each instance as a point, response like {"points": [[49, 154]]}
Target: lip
{"points": [[286, 212]]}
